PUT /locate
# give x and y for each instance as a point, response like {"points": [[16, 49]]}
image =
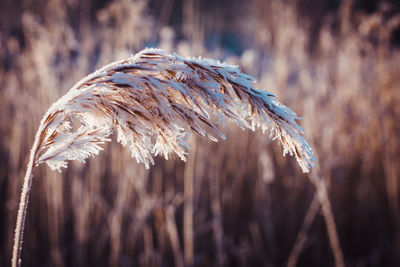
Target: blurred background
{"points": [[238, 202]]}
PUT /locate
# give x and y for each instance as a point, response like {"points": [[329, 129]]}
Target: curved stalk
{"points": [[23, 204]]}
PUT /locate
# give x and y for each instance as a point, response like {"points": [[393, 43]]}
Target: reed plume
{"points": [[151, 101]]}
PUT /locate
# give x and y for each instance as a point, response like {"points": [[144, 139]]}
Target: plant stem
{"points": [[188, 233], [302, 235], [322, 194], [23, 204]]}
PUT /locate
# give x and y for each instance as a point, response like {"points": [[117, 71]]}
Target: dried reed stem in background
{"points": [[302, 235], [188, 209], [172, 230], [217, 218], [320, 200], [151, 100], [322, 194]]}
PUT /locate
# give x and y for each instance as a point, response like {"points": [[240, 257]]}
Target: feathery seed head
{"points": [[152, 100]]}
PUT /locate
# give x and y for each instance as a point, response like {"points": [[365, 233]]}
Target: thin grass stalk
{"points": [[188, 232], [173, 236], [23, 205], [326, 207], [302, 235], [217, 218]]}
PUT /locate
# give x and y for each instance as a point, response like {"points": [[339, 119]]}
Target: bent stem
{"points": [[322, 194], [302, 235], [23, 204]]}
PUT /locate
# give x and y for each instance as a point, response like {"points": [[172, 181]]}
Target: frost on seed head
{"points": [[152, 100]]}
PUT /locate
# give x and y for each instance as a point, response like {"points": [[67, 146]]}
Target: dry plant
{"points": [[151, 101]]}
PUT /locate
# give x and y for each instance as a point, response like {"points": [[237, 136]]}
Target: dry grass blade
{"points": [[152, 100]]}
